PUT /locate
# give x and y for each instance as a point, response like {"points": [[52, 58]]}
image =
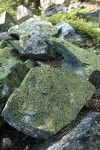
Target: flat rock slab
{"points": [[76, 60], [46, 101], [85, 136]]}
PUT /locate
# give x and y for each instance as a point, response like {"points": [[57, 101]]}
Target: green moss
{"points": [[79, 24], [50, 97]]}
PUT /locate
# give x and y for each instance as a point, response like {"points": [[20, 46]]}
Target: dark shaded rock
{"points": [[46, 101], [86, 136]]}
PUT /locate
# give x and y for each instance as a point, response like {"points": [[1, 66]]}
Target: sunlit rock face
{"points": [[46, 101]]}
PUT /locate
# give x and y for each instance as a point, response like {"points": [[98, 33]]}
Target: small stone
{"points": [[6, 143]]}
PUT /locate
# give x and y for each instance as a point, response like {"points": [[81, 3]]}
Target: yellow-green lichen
{"points": [[45, 98]]}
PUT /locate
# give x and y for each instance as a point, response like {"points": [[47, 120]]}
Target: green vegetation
{"points": [[79, 24], [11, 6]]}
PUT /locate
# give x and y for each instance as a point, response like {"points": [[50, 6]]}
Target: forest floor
{"points": [[21, 141]]}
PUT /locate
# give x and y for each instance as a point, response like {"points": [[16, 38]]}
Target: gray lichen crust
{"points": [[46, 101]]}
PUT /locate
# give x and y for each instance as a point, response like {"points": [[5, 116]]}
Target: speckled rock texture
{"points": [[12, 72], [32, 34], [67, 32], [86, 136], [46, 101], [77, 60]]}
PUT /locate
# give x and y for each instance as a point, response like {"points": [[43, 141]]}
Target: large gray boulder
{"points": [[46, 101], [77, 60], [12, 72], [86, 136], [32, 34]]}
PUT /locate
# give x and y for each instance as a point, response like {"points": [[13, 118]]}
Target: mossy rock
{"points": [[32, 43], [12, 72], [46, 101], [76, 60]]}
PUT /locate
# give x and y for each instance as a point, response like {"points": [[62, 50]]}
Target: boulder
{"points": [[12, 72], [67, 32], [46, 101], [6, 21], [85, 136], [77, 60], [32, 43], [23, 13], [53, 9], [35, 47]]}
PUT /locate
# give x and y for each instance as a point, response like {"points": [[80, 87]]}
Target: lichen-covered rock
{"points": [[46, 101], [32, 36], [67, 32], [36, 27], [35, 47], [12, 72], [86, 136], [77, 60]]}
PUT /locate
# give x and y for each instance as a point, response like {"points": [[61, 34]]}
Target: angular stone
{"points": [[67, 32], [32, 43], [77, 60], [12, 72], [23, 13], [6, 21], [35, 47], [46, 101], [86, 136]]}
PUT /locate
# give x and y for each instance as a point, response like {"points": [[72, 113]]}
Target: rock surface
{"points": [[46, 101], [23, 13], [77, 60], [86, 136], [12, 72], [67, 32], [32, 35]]}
